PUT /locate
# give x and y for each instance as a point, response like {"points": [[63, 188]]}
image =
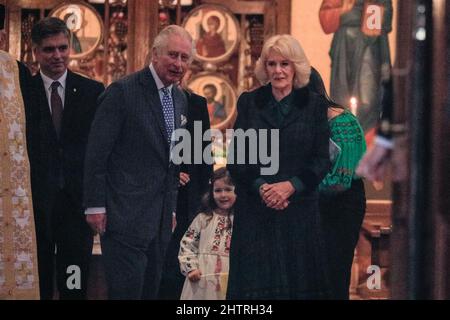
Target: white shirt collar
{"points": [[158, 81], [48, 81]]}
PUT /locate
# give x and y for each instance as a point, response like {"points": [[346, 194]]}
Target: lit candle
{"points": [[353, 105]]}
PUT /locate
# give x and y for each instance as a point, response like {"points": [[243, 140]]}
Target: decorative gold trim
{"points": [[19, 277]]}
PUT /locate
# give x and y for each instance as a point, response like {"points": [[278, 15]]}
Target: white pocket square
{"points": [[183, 121]]}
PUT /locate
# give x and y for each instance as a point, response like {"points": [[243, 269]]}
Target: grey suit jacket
{"points": [[127, 167]]}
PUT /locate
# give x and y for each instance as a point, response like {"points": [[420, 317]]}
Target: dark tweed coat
{"points": [[127, 161], [278, 254]]}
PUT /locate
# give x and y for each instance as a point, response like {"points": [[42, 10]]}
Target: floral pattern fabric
{"points": [[206, 246], [18, 261]]}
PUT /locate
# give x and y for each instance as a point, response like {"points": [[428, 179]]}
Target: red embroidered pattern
{"points": [[217, 234]]}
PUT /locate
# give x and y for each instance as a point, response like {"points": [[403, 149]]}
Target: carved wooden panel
{"points": [[128, 34], [373, 250]]}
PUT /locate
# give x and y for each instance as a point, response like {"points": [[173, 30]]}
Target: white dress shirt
{"points": [[48, 87], [159, 84]]}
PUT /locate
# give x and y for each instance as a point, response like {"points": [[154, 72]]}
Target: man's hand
{"points": [[276, 195], [97, 222], [373, 164], [184, 178], [385, 72], [194, 275]]}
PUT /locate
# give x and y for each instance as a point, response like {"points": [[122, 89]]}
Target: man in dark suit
{"points": [[130, 181], [64, 105], [194, 180]]}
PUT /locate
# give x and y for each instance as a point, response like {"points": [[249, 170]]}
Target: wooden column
{"points": [[13, 25], [277, 17], [421, 228], [142, 29], [283, 16], [399, 248], [439, 268]]}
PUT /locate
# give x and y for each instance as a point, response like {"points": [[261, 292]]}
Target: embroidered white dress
{"points": [[206, 246]]}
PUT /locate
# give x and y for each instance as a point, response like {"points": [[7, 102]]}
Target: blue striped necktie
{"points": [[167, 107]]}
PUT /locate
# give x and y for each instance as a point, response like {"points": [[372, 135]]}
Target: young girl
{"points": [[205, 247]]}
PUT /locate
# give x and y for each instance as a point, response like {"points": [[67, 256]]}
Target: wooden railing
{"points": [[372, 250]]}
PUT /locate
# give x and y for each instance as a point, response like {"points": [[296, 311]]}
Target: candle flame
{"points": [[353, 105]]}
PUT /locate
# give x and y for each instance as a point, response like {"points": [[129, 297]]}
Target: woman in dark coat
{"points": [[342, 198], [276, 249]]}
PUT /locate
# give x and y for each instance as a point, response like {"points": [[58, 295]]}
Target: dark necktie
{"points": [[57, 107], [167, 106]]}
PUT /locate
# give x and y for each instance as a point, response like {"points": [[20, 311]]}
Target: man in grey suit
{"points": [[130, 181]]}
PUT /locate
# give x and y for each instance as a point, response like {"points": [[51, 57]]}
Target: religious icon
{"points": [[73, 19], [211, 44], [215, 31], [359, 53], [216, 108], [220, 96], [85, 25]]}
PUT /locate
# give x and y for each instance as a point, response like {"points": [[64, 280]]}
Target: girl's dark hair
{"points": [[316, 85], [208, 204]]}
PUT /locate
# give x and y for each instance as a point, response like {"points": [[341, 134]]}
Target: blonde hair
{"points": [[287, 46]]}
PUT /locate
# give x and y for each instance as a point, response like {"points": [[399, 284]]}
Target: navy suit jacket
{"points": [[189, 196], [128, 169]]}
